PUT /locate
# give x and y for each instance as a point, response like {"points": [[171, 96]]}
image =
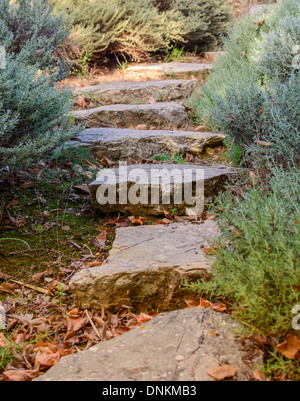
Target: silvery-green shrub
{"points": [[34, 108], [253, 93], [32, 32]]}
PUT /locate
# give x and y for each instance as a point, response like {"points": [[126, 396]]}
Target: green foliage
{"points": [[254, 90], [78, 155], [128, 28], [176, 158], [132, 29], [205, 21], [277, 366], [250, 113], [257, 266], [277, 49], [16, 239], [33, 109], [6, 357], [174, 54], [30, 31]]}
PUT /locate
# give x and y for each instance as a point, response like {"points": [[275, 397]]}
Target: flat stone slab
{"points": [[151, 189], [146, 267], [142, 92], [124, 144], [157, 115], [177, 70], [176, 346]]}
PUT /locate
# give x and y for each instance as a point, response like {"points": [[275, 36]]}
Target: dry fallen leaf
{"points": [[290, 348], [201, 128], [4, 276], [83, 188], [48, 359], [3, 341], [81, 102], [142, 127], [8, 288], [103, 235], [135, 221], [168, 215], [205, 304], [12, 204], [191, 303], [164, 221], [258, 376], [75, 322], [219, 307], [143, 318], [222, 372], [27, 185], [20, 375]]}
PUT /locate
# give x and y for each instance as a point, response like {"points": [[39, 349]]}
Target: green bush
{"points": [[127, 28], [257, 266], [254, 90], [30, 31], [253, 115], [206, 21], [132, 29], [33, 108], [277, 49]]}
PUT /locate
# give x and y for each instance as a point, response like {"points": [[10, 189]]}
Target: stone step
{"points": [[157, 115], [138, 190], [146, 267], [177, 346], [125, 144], [142, 92], [176, 70]]}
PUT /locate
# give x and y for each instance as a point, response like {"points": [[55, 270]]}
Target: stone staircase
{"points": [[148, 264], [142, 92], [124, 144], [156, 115], [177, 70], [156, 107]]}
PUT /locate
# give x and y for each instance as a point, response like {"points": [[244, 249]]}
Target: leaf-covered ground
{"points": [[48, 231]]}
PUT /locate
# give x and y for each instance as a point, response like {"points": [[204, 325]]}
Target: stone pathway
{"points": [[177, 70], [141, 182], [176, 346], [148, 264], [143, 92], [123, 144], [156, 115]]}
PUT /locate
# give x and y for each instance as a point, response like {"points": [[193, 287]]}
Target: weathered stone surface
{"points": [[157, 115], [123, 144], [147, 266], [177, 70], [131, 92], [175, 346], [146, 187]]}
